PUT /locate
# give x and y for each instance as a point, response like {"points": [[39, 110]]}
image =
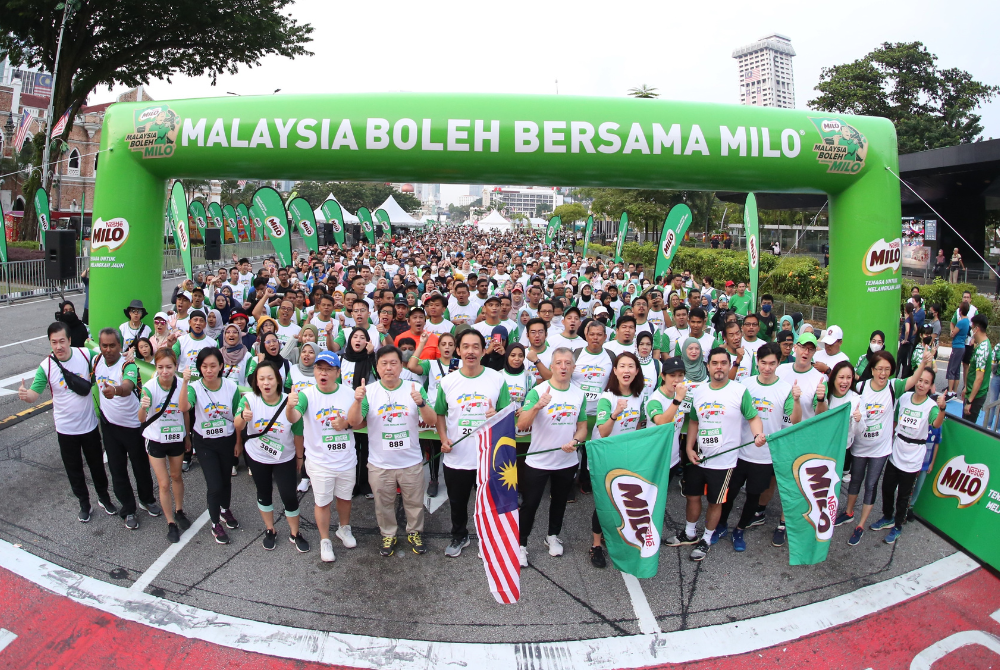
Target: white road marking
{"points": [[30, 339], [643, 612], [28, 377], [6, 637], [926, 658], [160, 563], [626, 651], [996, 616]]}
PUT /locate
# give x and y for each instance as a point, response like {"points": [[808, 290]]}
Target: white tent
{"points": [[397, 216], [348, 217], [494, 222], [538, 223]]}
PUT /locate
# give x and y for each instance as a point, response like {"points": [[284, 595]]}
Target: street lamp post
{"points": [[52, 96]]}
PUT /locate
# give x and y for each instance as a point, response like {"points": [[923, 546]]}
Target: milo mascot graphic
{"points": [[156, 131], [842, 149]]}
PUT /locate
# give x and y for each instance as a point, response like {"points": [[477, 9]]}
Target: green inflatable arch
{"points": [[493, 139]]}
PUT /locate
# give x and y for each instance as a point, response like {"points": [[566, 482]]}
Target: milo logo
{"points": [[366, 225], [752, 250], [110, 234], [43, 221], [816, 476], [274, 226], [201, 221], [830, 126], [842, 148], [181, 236], [335, 224], [634, 498], [156, 130], [964, 481], [882, 256], [306, 228], [257, 222], [669, 240]]}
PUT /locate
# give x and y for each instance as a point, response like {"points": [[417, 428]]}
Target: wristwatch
{"points": [[422, 404], [677, 402]]}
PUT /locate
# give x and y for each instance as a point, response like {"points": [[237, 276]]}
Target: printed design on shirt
{"points": [[517, 392], [629, 419], [470, 402], [816, 476], [216, 410], [392, 410], [102, 380], [874, 409], [965, 481], [591, 372], [260, 424], [328, 415], [763, 405], [562, 413], [711, 408]]}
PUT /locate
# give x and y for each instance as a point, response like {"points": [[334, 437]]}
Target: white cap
{"points": [[601, 309], [833, 335], [161, 315]]}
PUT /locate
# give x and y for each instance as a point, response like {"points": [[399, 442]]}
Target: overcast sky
{"points": [[598, 48]]}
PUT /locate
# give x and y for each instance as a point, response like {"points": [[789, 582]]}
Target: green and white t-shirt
{"points": [[393, 425], [591, 374], [669, 339], [445, 326], [187, 347], [809, 382], [120, 410], [720, 414], [299, 381], [555, 425], [169, 427], [627, 421], [981, 360], [464, 401], [325, 445], [278, 444], [774, 405], [912, 422], [876, 408], [545, 357], [657, 404], [238, 372], [213, 410]]}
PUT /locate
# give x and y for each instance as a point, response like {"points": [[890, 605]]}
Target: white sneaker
{"points": [[554, 544], [345, 535], [234, 471], [522, 553], [326, 551], [303, 486]]}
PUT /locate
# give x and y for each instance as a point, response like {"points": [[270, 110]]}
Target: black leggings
{"points": [[896, 483], [460, 485], [216, 458], [266, 476], [432, 448], [532, 489], [361, 484]]}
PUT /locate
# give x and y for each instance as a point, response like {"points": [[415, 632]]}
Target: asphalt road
{"points": [[426, 597]]}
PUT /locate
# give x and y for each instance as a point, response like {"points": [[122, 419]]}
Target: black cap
{"points": [[674, 364], [401, 300], [784, 335], [491, 299]]}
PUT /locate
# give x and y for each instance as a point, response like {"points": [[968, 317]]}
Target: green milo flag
{"points": [[808, 459], [367, 226], [275, 222], [335, 217], [552, 229], [243, 221], [586, 234], [382, 217], [302, 215], [179, 222], [752, 228], [629, 474], [42, 212], [960, 498], [3, 235], [229, 214], [674, 228], [198, 213], [215, 219], [622, 232], [257, 217]]}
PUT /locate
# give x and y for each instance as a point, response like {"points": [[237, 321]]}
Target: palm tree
{"points": [[643, 92]]}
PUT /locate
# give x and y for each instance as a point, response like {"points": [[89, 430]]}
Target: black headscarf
{"points": [[867, 373], [506, 360], [277, 358], [364, 362]]}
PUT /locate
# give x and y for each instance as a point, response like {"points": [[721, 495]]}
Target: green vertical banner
{"points": [[179, 221], [552, 229], [42, 212], [382, 217], [229, 215], [586, 234], [3, 235], [629, 474], [257, 219], [622, 232], [215, 219], [367, 227], [959, 497], [302, 215], [808, 459], [243, 221], [752, 228], [275, 222], [197, 211], [335, 217], [674, 228]]}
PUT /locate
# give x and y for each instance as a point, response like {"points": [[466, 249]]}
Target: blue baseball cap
{"points": [[328, 357]]}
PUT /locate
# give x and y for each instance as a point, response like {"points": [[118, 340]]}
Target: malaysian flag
{"points": [[22, 130], [57, 130], [753, 74], [43, 84], [496, 505], [241, 183]]}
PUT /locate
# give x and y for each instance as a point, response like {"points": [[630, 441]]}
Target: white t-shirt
{"points": [[591, 374], [808, 381], [557, 340], [555, 425], [393, 425], [913, 423], [189, 348], [822, 357], [321, 327], [120, 410], [300, 381], [325, 445], [774, 405], [278, 444], [74, 414], [876, 435], [169, 427], [288, 332], [238, 372], [130, 334], [617, 347], [464, 401], [658, 403], [445, 326], [855, 400], [459, 314], [214, 410], [545, 357], [627, 421], [720, 414]]}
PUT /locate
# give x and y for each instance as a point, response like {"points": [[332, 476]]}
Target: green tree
{"points": [[541, 209], [233, 195], [930, 108], [570, 213], [107, 43], [643, 92]]}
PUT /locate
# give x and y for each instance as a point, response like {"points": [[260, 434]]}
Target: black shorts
{"points": [[164, 449], [700, 481], [756, 475], [967, 356]]}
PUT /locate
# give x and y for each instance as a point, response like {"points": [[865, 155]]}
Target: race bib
{"points": [[271, 445], [709, 437], [171, 433], [908, 425], [872, 431], [396, 441], [468, 426], [216, 428], [336, 442], [592, 392]]}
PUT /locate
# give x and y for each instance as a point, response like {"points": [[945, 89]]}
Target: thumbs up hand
{"points": [[491, 411], [359, 393], [821, 392], [415, 394], [22, 392], [796, 390]]}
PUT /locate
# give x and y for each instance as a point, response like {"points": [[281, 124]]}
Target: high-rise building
{"points": [[766, 77], [530, 201]]}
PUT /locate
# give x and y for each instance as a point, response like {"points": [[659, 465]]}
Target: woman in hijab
{"points": [[271, 351], [235, 356], [357, 359], [224, 304], [214, 324], [265, 326], [302, 372], [864, 366], [293, 347], [695, 372], [788, 323], [585, 303]]}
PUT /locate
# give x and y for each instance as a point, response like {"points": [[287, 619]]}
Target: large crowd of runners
{"points": [[352, 371]]}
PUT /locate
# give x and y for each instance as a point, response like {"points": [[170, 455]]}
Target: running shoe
{"points": [[345, 535], [220, 534], [522, 556], [185, 466], [758, 520], [679, 538], [181, 519], [910, 516], [388, 547], [454, 550], [84, 514], [109, 507], [856, 536], [229, 518], [326, 551], [173, 533], [301, 545], [739, 544], [719, 533], [882, 524], [303, 485], [131, 522], [893, 535], [597, 557], [700, 551], [416, 541], [270, 538], [369, 496], [432, 488], [778, 539], [846, 479], [843, 518], [151, 508], [554, 544], [234, 471]]}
